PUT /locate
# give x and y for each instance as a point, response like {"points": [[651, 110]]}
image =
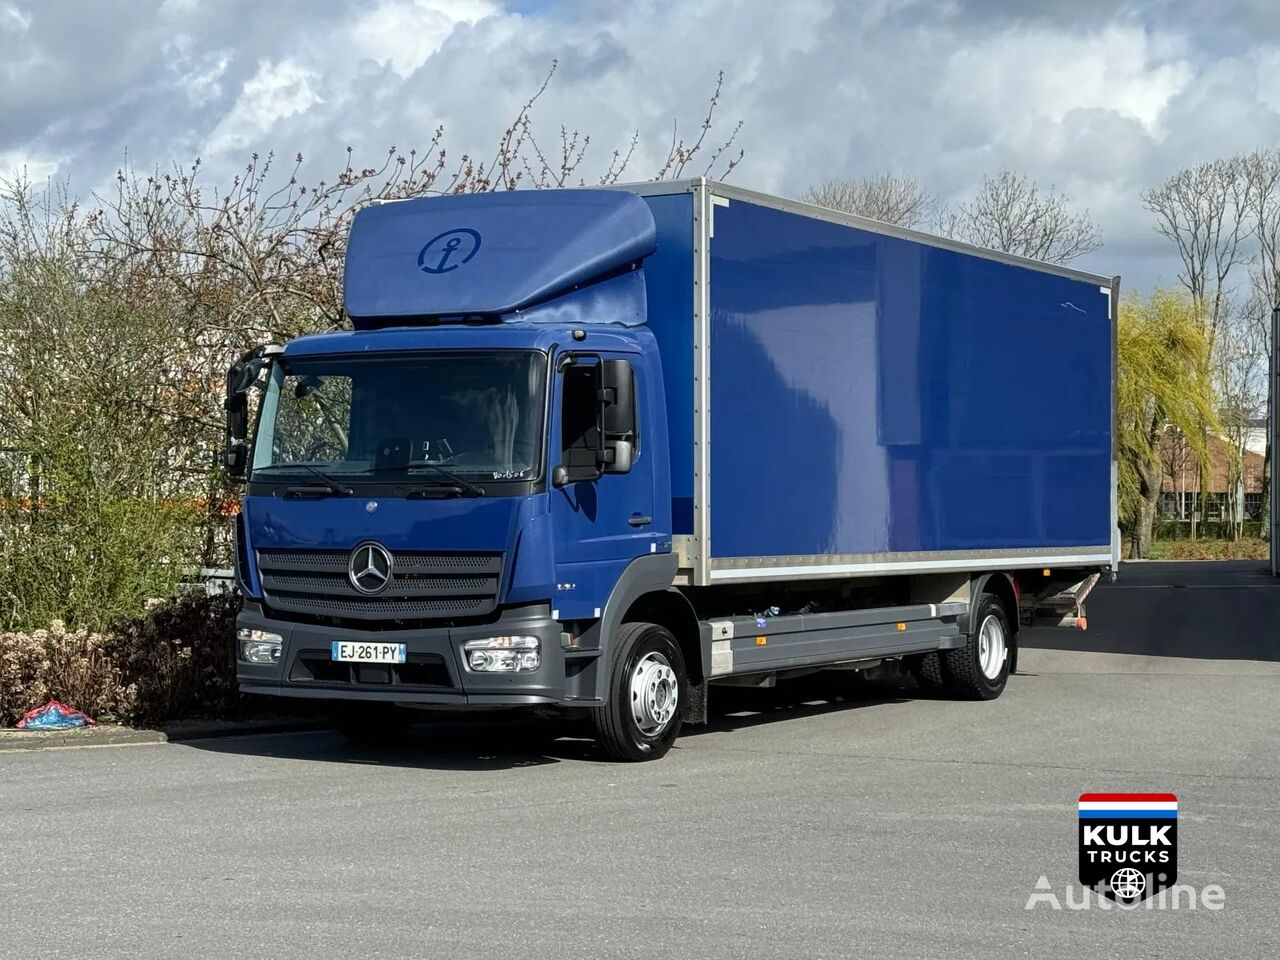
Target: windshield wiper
{"points": [[468, 488], [331, 484]]}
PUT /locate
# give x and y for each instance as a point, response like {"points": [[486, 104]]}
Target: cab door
{"points": [[602, 509]]}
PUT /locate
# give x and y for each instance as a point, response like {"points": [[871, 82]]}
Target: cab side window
{"points": [[579, 421]]}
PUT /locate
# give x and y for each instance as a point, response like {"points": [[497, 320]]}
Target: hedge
{"points": [[175, 661]]}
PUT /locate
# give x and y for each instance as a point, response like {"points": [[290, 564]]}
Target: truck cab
{"points": [[440, 502]]}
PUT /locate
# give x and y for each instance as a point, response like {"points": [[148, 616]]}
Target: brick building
{"points": [[1181, 483]]}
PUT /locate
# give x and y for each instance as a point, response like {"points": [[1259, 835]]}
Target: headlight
{"points": [[259, 646], [503, 654]]}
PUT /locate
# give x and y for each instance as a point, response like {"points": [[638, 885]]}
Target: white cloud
{"points": [[276, 92], [404, 33], [197, 73], [1097, 98], [175, 9], [32, 167], [1020, 73], [14, 20]]}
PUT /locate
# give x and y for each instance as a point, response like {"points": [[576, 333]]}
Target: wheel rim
{"points": [[992, 648], [655, 694]]}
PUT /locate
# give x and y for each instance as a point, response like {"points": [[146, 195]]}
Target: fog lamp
{"points": [[503, 654], [259, 646]]}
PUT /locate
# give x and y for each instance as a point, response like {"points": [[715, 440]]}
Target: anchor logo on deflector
{"points": [[449, 250]]}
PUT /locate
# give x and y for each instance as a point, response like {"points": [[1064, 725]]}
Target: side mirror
{"points": [[235, 451], [618, 455], [234, 460], [617, 416], [559, 476], [241, 378]]}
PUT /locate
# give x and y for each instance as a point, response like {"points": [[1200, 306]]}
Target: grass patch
{"points": [[1248, 548]]}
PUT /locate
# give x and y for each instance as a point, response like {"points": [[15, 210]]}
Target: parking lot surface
{"points": [[820, 819]]}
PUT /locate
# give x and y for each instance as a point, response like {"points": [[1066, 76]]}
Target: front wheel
{"points": [[647, 691]]}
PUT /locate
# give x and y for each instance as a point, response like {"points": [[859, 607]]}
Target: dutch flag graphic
{"points": [[1128, 806]]}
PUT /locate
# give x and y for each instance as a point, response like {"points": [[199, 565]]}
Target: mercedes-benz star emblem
{"points": [[370, 568]]}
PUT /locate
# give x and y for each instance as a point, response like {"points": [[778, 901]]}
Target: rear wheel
{"points": [[980, 669], [927, 669], [648, 688]]}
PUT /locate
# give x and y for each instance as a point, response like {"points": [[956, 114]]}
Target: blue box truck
{"points": [[605, 449]]}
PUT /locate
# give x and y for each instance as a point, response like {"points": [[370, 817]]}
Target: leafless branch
{"points": [[887, 197], [1012, 214]]}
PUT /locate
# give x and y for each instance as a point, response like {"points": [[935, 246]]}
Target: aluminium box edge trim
{"points": [[1113, 303], [961, 561], [702, 230]]}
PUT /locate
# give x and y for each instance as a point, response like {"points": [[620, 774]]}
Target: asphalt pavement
{"points": [[816, 820]]}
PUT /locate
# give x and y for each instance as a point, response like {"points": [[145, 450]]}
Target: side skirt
{"points": [[746, 645]]}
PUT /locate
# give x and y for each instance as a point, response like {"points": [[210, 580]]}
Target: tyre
{"points": [[365, 722], [980, 669], [927, 669], [648, 688]]}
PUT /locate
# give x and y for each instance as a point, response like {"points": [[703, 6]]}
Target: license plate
{"points": [[368, 652]]}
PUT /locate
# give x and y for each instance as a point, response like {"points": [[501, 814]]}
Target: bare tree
{"points": [[1177, 458], [1261, 172], [1012, 214], [260, 259], [1262, 179], [681, 154], [263, 257], [1240, 386], [117, 322], [1204, 211], [887, 197]]}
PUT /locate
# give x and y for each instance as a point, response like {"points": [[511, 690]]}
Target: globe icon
{"points": [[1127, 883]]}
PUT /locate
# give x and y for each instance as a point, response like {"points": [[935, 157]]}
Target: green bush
{"points": [[179, 658], [1206, 530], [58, 664]]}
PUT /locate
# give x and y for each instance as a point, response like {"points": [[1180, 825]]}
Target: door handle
{"points": [[636, 520]]}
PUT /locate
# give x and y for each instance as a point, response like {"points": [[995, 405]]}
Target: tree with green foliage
{"points": [[118, 322], [95, 518], [1163, 382]]}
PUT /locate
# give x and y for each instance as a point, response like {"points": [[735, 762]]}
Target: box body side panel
{"points": [[873, 395]]}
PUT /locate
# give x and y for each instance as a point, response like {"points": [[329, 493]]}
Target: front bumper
{"points": [[433, 672]]}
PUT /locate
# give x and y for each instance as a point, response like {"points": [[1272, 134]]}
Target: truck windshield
{"points": [[480, 415]]}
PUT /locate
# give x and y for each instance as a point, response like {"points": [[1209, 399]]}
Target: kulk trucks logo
{"points": [[1128, 844], [449, 250]]}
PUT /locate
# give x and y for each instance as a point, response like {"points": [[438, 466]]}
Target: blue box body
{"points": [[875, 395], [817, 396]]}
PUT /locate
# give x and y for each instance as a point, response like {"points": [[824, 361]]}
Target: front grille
{"points": [[314, 584]]}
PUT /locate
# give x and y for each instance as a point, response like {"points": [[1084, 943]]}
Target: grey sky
{"points": [[1096, 98]]}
